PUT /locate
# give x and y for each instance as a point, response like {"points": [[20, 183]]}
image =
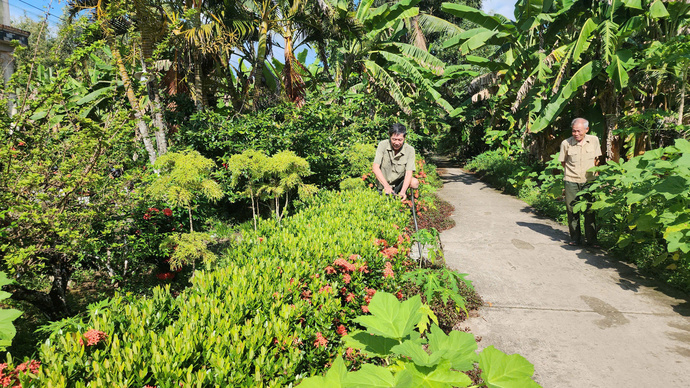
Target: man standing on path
{"points": [[394, 163], [578, 154]]}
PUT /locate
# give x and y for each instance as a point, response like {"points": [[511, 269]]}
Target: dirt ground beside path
{"points": [[583, 319]]}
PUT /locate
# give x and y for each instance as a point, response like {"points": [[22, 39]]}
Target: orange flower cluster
{"points": [[390, 252], [320, 340], [388, 270], [93, 337], [11, 378], [342, 330]]}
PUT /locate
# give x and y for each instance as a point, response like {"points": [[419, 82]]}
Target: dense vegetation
{"points": [[222, 149]]}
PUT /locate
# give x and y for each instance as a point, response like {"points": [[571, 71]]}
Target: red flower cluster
{"points": [[344, 264], [365, 309], [399, 294], [326, 289], [330, 270], [320, 340], [342, 330], [380, 241], [167, 212], [347, 278], [306, 294], [93, 337], [11, 378], [166, 276], [350, 297], [370, 292], [153, 210], [388, 270], [390, 252], [147, 216]]}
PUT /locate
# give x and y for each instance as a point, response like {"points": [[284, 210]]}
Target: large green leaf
{"points": [[388, 83], [390, 317], [474, 15], [617, 69], [370, 376], [582, 42], [500, 370], [635, 4], [440, 376], [333, 379], [582, 76], [657, 10], [374, 345], [608, 35], [458, 347], [417, 354]]}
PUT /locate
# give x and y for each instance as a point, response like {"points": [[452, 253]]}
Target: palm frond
{"points": [[421, 57], [432, 24], [382, 78]]}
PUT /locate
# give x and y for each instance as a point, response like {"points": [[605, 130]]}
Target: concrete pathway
{"points": [[583, 319]]}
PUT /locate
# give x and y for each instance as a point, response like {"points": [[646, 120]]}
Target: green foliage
{"points": [[412, 360], [352, 184], [267, 178], [57, 182], [647, 200], [266, 313], [7, 330], [184, 178], [187, 248], [442, 283]]}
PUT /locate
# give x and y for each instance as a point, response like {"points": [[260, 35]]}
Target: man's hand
{"points": [[402, 195], [387, 190]]}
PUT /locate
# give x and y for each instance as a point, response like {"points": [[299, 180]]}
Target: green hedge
{"points": [[268, 313]]}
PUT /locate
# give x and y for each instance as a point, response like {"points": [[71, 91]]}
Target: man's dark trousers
{"points": [[571, 190]]}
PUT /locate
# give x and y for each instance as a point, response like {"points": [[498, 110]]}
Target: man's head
{"points": [[397, 134], [580, 128]]}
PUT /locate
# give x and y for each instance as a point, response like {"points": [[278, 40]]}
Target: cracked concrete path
{"points": [[583, 319]]}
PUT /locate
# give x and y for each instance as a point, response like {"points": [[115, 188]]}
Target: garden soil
{"points": [[581, 317]]}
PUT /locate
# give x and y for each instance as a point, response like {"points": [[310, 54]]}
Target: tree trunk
{"points": [[142, 127], [609, 107], [54, 303], [682, 97]]}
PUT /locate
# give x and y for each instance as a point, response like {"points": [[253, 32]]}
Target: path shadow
{"points": [[547, 230], [631, 279], [449, 177]]}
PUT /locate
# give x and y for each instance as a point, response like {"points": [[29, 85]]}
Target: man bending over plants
{"points": [[394, 163], [579, 153]]}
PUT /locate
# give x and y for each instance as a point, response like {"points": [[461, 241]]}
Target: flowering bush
{"points": [[272, 310]]}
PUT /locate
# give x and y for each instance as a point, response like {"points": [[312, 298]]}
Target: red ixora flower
{"points": [[350, 297], [326, 289], [167, 212], [380, 241], [147, 216], [342, 330], [370, 292], [346, 278], [93, 337], [388, 270], [320, 340], [153, 210], [344, 264], [390, 252], [365, 309]]}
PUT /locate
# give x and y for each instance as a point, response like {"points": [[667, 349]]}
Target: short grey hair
{"points": [[579, 119]]}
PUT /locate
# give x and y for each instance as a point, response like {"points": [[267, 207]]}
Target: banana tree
{"points": [[589, 45]]}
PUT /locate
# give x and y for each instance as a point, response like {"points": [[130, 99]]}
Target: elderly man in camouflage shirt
{"points": [[394, 163], [579, 153]]}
